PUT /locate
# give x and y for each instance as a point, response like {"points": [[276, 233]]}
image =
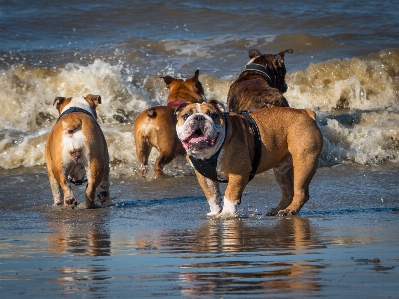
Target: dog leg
{"points": [[164, 158], [69, 197], [286, 183], [303, 174], [103, 195], [232, 197], [143, 150], [212, 193], [55, 189]]}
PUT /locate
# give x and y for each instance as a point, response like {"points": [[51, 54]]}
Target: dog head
{"points": [[274, 63], [188, 90], [201, 128], [89, 103]]}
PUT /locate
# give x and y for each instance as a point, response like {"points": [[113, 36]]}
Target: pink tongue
{"points": [[196, 139]]}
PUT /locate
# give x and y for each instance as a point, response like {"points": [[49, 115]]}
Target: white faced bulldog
{"points": [[233, 147]]}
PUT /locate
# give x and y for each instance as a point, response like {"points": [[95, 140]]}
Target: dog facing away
{"points": [[76, 147], [233, 147], [260, 84], [156, 126]]}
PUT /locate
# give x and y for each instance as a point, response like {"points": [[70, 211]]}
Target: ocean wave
{"points": [[356, 101]]}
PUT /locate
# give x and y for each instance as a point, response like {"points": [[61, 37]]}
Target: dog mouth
{"points": [[197, 140]]}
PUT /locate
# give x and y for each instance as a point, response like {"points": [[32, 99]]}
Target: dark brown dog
{"points": [[222, 147], [260, 84], [156, 126]]}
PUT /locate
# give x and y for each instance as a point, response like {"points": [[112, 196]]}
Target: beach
{"points": [[153, 238], [156, 240]]}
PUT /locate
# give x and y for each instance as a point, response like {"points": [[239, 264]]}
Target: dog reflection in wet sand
{"points": [[155, 126], [268, 275], [235, 147]]}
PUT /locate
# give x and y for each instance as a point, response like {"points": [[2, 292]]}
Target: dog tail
{"points": [[71, 125], [311, 113], [151, 112]]}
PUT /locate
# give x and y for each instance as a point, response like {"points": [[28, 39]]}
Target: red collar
{"points": [[175, 103]]}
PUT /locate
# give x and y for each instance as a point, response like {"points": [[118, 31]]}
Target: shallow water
{"points": [[155, 240]]}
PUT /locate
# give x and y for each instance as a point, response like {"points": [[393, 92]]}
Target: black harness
{"points": [[69, 111], [266, 70], [207, 167]]}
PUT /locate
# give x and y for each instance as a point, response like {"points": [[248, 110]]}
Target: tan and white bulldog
{"points": [[155, 127], [260, 84], [76, 147], [227, 143]]}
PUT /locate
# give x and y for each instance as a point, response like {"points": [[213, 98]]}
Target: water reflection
{"points": [[78, 235], [239, 256]]}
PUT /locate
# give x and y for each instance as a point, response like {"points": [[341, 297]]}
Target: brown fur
{"points": [[254, 90], [155, 127], [283, 131], [90, 155]]}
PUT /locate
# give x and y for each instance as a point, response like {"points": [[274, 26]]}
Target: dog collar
{"points": [[176, 103], [75, 109], [266, 70], [207, 167]]}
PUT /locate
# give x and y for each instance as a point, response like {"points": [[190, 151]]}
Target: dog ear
{"points": [[280, 57], [180, 108], [196, 75], [253, 53], [96, 99], [167, 80], [59, 101], [217, 105]]}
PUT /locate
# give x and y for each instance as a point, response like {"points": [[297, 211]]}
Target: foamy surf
{"points": [[355, 99]]}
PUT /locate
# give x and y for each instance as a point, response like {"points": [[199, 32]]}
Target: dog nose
{"points": [[199, 117]]}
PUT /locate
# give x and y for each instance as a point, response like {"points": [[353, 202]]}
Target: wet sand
{"points": [[155, 241]]}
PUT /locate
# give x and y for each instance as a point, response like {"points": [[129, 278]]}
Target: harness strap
{"points": [[74, 109], [262, 69], [257, 143], [207, 167]]}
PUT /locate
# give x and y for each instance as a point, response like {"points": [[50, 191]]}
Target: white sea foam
{"points": [[356, 101]]}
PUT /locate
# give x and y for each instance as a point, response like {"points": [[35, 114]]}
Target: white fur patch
{"points": [[72, 142], [78, 102], [214, 205], [229, 207]]}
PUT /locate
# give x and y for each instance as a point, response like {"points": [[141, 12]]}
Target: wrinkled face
{"points": [[200, 128]]}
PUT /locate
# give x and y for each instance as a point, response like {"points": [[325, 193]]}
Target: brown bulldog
{"points": [[76, 146], [260, 84], [235, 147], [155, 127]]}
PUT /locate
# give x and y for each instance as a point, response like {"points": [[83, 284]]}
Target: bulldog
{"points": [[76, 147], [234, 147], [260, 84], [155, 127]]}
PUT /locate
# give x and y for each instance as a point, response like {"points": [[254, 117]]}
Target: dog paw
{"points": [[103, 196], [285, 212], [70, 202]]}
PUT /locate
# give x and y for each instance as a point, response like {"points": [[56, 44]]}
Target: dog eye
{"points": [[185, 116], [213, 115]]}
